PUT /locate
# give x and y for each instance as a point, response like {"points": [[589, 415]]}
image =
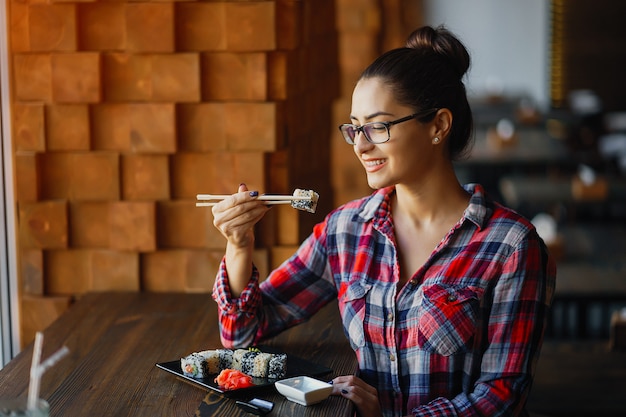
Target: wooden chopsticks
{"points": [[208, 200]]}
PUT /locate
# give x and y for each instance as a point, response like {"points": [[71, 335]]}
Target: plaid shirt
{"points": [[461, 338]]}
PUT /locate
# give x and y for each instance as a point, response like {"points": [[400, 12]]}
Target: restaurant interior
{"points": [[115, 115]]}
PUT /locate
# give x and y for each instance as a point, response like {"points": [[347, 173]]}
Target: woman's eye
{"points": [[377, 127]]}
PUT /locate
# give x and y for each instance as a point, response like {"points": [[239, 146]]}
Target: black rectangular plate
{"points": [[295, 367]]}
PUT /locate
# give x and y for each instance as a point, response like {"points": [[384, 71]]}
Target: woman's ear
{"points": [[442, 123]]}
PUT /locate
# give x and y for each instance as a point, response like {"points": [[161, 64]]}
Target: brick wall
{"points": [[123, 111]]}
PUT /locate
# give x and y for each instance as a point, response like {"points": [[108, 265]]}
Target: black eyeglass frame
{"points": [[387, 125]]}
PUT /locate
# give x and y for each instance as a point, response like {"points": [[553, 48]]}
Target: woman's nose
{"points": [[361, 144]]}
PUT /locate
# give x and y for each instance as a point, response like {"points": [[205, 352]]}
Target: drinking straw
{"points": [[35, 378], [37, 369]]}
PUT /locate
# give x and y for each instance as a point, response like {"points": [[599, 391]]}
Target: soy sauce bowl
{"points": [[304, 390]]}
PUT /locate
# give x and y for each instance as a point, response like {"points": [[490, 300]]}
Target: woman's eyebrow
{"points": [[371, 116]]}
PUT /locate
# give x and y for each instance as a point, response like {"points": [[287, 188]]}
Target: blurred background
{"points": [[116, 114]]}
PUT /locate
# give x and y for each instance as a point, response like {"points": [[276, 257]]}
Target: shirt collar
{"points": [[480, 207], [377, 205]]}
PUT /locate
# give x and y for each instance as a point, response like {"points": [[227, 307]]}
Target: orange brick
{"points": [[37, 313], [279, 254], [216, 173], [322, 16], [251, 126], [357, 50], [359, 16], [26, 178], [163, 271], [201, 26], [115, 271], [145, 177], [132, 226], [261, 259], [33, 77], [31, 271], [278, 173], [234, 76], [127, 77], [52, 27], [18, 27], [150, 27], [153, 128], [89, 224], [251, 26], [176, 77], [67, 127], [278, 76], [122, 225], [180, 270], [67, 272], [149, 128], [76, 77], [287, 225], [201, 127], [80, 176], [43, 225], [289, 23], [192, 173], [75, 272], [111, 127], [28, 127], [201, 268], [233, 168], [183, 225], [102, 26]]}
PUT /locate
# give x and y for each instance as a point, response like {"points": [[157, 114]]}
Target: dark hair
{"points": [[427, 73]]}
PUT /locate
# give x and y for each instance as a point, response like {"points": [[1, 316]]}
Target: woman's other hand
{"points": [[364, 396]]}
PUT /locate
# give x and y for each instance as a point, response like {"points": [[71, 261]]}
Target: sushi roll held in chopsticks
{"points": [[305, 200], [308, 202]]}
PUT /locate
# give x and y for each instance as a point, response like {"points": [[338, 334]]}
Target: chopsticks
{"points": [[205, 200]]}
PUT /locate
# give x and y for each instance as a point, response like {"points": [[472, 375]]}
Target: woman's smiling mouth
{"points": [[372, 165]]}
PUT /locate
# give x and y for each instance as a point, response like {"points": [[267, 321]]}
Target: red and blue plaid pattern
{"points": [[460, 339]]}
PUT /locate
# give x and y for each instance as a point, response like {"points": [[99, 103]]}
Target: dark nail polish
{"points": [[330, 382], [254, 193], [344, 391]]}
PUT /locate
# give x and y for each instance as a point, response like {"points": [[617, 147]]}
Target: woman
{"points": [[443, 293]]}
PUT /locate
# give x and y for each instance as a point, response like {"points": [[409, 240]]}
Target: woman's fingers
{"points": [[364, 396], [236, 215]]}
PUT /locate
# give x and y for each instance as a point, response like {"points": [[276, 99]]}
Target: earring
{"points": [[436, 140]]}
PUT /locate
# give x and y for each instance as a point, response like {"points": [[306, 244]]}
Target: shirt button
{"points": [[392, 357], [452, 297], [390, 317], [413, 281]]}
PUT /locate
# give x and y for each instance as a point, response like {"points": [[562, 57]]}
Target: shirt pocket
{"points": [[353, 305], [448, 317]]}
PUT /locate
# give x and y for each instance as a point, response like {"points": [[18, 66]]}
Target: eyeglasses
{"points": [[377, 132]]}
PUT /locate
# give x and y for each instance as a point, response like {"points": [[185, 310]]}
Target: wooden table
{"points": [[579, 379], [115, 340]]}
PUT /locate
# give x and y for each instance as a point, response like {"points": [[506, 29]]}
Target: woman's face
{"points": [[407, 157]]}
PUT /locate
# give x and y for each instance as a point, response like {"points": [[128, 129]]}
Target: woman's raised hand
{"points": [[236, 216]]}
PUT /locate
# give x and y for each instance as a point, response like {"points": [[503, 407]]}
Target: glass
{"points": [[377, 132], [15, 407]]}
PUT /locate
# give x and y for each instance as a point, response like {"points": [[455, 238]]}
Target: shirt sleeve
{"points": [[516, 322], [292, 293]]}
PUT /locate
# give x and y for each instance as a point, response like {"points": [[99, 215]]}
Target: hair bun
{"points": [[443, 42]]}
